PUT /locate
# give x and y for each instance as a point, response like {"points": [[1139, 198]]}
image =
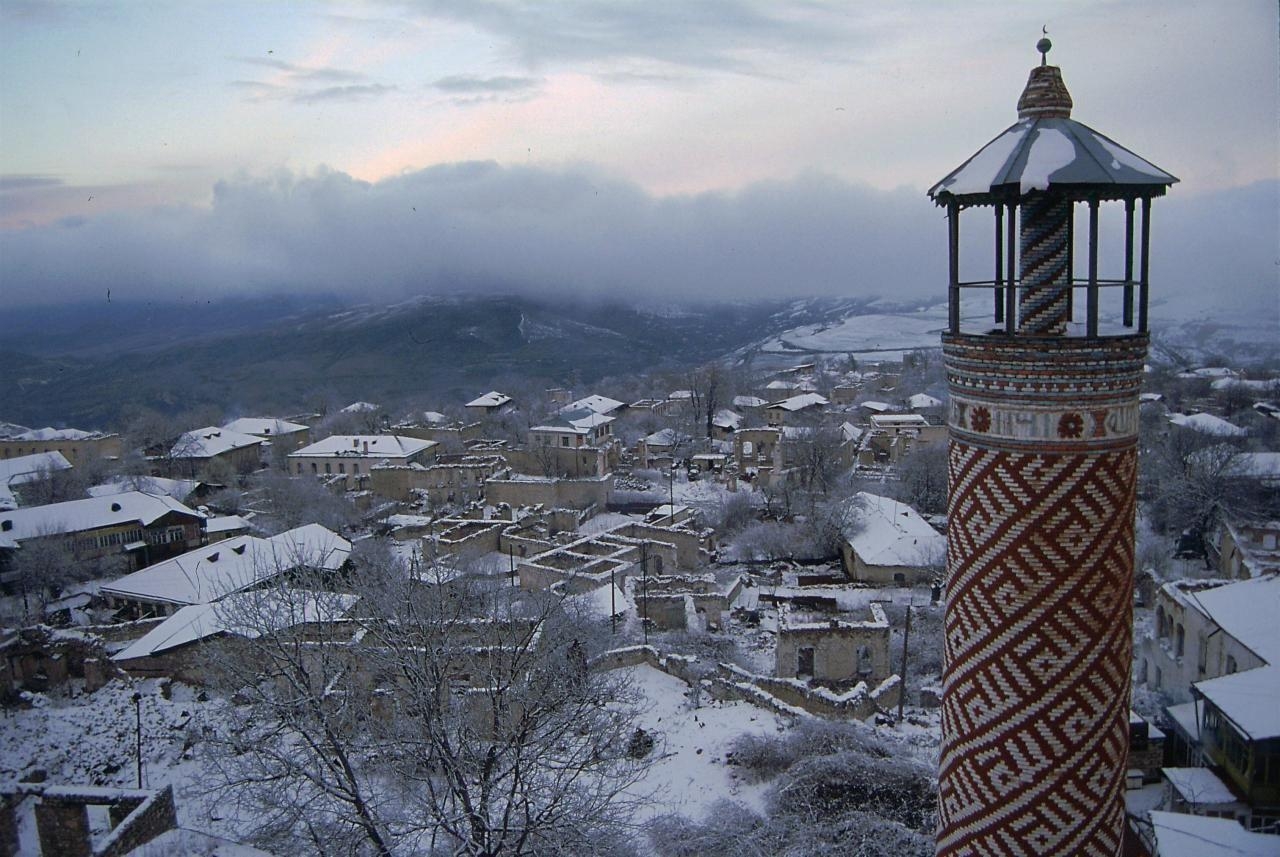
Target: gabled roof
{"points": [[1177, 834], [364, 446], [886, 532], [222, 568], [58, 434], [1249, 699], [727, 419], [1247, 610], [248, 614], [27, 468], [576, 422], [491, 399], [922, 401], [76, 516], [178, 489], [594, 403], [264, 426], [749, 402], [359, 408], [800, 402], [210, 441], [1207, 424]]}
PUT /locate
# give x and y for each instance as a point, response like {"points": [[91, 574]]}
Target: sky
{"points": [[626, 147]]}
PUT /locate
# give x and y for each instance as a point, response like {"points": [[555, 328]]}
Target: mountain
{"points": [[94, 367]]}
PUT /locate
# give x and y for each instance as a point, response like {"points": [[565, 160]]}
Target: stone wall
{"points": [[551, 493], [62, 818]]}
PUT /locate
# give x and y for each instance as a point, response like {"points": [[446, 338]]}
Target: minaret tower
{"points": [[1043, 370]]}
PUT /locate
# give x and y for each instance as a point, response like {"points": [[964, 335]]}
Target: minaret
{"points": [[1043, 420]]}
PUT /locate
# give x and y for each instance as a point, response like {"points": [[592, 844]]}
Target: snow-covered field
{"points": [[887, 336]]}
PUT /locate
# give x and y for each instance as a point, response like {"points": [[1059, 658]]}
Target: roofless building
{"points": [[1044, 377]]}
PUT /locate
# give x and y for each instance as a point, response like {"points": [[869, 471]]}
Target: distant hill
{"points": [[93, 366]]}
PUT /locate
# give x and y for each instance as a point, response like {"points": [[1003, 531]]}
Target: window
{"points": [[1161, 628], [342, 468], [299, 468], [327, 468], [1179, 640], [564, 441], [313, 468], [1232, 666], [355, 468], [864, 660], [1202, 654]]}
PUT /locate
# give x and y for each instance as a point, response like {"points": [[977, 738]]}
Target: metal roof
{"points": [[1039, 153]]}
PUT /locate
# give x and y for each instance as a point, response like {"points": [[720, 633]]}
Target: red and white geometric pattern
{"points": [[1038, 642]]}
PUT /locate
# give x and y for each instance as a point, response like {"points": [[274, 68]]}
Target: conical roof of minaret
{"points": [[1047, 148]]}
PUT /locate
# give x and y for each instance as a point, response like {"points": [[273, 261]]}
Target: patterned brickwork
{"points": [[1042, 469], [1042, 300]]}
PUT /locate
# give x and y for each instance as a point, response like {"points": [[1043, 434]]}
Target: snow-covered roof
{"points": [[247, 614], [1264, 466], [681, 394], [1199, 785], [210, 441], [491, 399], [1247, 611], [1250, 699], [1208, 424], [1150, 397], [898, 421], [264, 426], [225, 524], [800, 402], [727, 419], [923, 401], [749, 402], [217, 570], [58, 434], [594, 403], [850, 432], [359, 408], [886, 532], [75, 516], [876, 407], [1037, 153], [434, 417], [364, 446], [1209, 372], [27, 468], [663, 437], [178, 489], [1253, 386], [1180, 835]]}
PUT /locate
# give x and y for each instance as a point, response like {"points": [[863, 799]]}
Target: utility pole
{"points": [[902, 690], [137, 710], [644, 588]]}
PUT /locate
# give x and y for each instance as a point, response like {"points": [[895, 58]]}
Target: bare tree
{"points": [[923, 478], [447, 715]]}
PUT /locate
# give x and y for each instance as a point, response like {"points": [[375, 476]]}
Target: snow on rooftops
{"points": [[491, 399], [1245, 609], [886, 532], [1209, 372], [75, 516], [1263, 466], [222, 568], [1242, 384], [801, 402], [1033, 154], [264, 426], [211, 441], [664, 437], [1199, 785], [575, 422], [359, 408], [1179, 835], [225, 524], [364, 446], [876, 407], [898, 421], [1250, 699], [58, 434], [850, 432], [27, 468], [923, 402], [727, 419], [595, 404], [178, 489], [681, 394], [749, 402], [434, 417], [246, 614], [1207, 424]]}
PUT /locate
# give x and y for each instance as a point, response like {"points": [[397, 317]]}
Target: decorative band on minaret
{"points": [[1042, 470]]}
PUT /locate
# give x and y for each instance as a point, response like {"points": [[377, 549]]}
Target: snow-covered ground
{"points": [[689, 773]]}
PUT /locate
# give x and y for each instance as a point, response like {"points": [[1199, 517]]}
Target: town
{"points": [[756, 560]]}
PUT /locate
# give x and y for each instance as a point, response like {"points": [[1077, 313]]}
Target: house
{"points": [[1245, 549], [215, 571], [1207, 424], [596, 404], [1174, 834], [785, 412], [923, 402], [281, 434], [659, 449], [749, 403], [893, 436], [353, 456], [129, 530], [490, 404], [1205, 630], [456, 478], [758, 452], [15, 472], [182, 490], [199, 452], [76, 445], [832, 648], [1240, 734], [887, 542], [725, 423], [572, 429]]}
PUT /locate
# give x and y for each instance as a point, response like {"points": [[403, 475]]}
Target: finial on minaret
{"points": [[1046, 95], [1044, 45]]}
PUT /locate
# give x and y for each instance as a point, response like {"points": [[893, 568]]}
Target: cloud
{"points": [[357, 92], [303, 73], [481, 227], [469, 85], [27, 181], [726, 35]]}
